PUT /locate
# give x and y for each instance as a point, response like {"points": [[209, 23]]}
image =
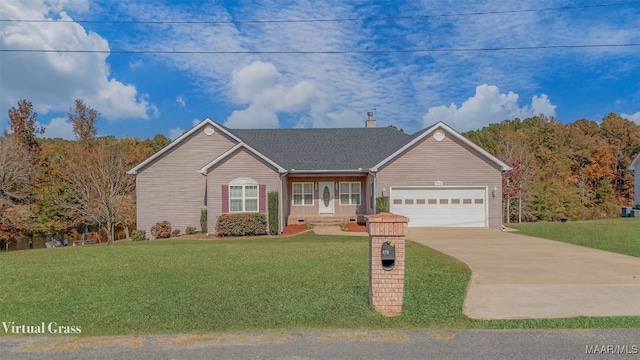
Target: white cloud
{"points": [[180, 101], [136, 63], [633, 117], [175, 133], [59, 128], [261, 86], [300, 90], [325, 90], [488, 105], [52, 81], [196, 121], [253, 117]]}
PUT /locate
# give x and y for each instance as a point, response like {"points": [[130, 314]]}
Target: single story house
{"points": [[436, 177], [635, 164]]}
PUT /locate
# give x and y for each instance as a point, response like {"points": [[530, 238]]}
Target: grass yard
{"points": [[620, 235], [198, 286]]}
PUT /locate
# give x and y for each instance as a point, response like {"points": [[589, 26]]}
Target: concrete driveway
{"points": [[516, 276]]}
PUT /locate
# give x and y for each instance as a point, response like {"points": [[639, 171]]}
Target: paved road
{"points": [[517, 276], [434, 344]]}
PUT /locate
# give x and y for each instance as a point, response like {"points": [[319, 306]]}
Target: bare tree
{"points": [[22, 121], [96, 173], [99, 183], [14, 170], [14, 186]]}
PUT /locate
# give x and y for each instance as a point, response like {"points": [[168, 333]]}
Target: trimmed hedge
{"points": [[382, 204], [273, 213], [245, 224], [203, 221]]}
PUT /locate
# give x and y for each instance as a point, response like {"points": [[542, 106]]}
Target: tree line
{"points": [[53, 186], [50, 187], [577, 170]]}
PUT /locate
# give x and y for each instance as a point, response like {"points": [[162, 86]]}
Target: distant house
{"points": [[436, 177], [635, 164]]}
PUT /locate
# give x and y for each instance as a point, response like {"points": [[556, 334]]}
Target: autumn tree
{"points": [[14, 170], [14, 187], [95, 173], [510, 147], [136, 151], [577, 170], [50, 217], [22, 140], [623, 138], [83, 118], [22, 121], [159, 142]]}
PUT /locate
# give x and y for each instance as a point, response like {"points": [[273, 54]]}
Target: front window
{"points": [[243, 198], [350, 193], [302, 193]]}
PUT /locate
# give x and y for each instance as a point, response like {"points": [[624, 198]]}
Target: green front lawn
{"points": [[193, 286], [620, 235]]}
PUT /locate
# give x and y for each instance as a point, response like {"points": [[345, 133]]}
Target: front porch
{"points": [[325, 219], [326, 199]]}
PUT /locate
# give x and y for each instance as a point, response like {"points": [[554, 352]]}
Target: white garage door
{"points": [[441, 207]]}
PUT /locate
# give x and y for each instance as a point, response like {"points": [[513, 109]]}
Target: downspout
{"points": [[375, 192], [280, 202], [206, 199]]}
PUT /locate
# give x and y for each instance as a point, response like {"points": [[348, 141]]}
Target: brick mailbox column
{"points": [[386, 277]]}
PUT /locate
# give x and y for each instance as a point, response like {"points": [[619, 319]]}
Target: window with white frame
{"points": [[349, 193], [302, 193], [243, 196]]}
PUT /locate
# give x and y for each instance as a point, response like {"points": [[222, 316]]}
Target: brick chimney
{"points": [[371, 122]]}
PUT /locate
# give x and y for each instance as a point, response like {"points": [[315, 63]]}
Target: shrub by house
{"points": [[245, 224], [161, 230]]}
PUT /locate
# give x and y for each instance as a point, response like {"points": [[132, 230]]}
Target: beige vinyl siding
{"points": [[240, 164], [338, 209], [449, 161], [636, 179], [171, 188]]}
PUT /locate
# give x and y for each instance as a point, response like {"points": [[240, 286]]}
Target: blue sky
{"points": [[158, 66]]}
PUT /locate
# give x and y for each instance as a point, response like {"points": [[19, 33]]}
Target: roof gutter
{"points": [[360, 170]]}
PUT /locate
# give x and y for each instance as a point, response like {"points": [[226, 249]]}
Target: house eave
{"points": [[181, 138], [205, 169], [440, 124]]}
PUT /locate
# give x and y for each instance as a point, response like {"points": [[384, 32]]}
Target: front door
{"points": [[325, 195]]}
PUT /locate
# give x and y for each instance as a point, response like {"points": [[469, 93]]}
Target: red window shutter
{"points": [[262, 198], [225, 199]]}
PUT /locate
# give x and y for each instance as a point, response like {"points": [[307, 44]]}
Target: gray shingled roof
{"points": [[324, 149]]}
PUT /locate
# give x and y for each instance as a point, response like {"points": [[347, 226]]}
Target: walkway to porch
{"points": [[325, 219]]}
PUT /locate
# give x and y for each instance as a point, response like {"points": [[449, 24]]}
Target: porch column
{"points": [[386, 262]]}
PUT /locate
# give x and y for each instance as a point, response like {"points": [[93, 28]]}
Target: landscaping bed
{"points": [[294, 229], [354, 227]]}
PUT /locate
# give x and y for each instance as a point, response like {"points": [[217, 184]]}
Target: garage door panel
{"points": [[441, 207]]}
